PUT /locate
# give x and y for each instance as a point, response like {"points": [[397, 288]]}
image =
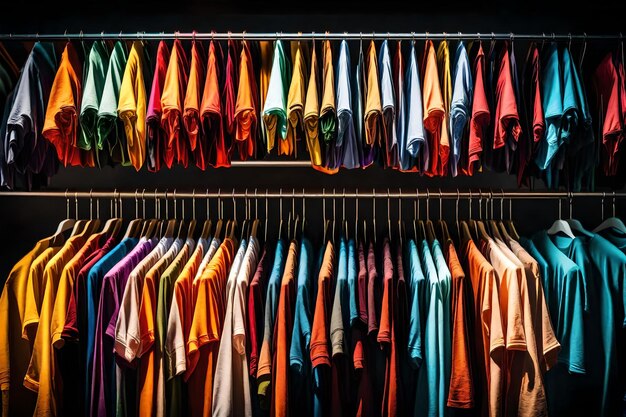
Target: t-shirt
{"points": [[148, 373], [154, 132], [14, 351], [284, 327], [417, 306], [320, 343], [275, 107], [373, 106], [296, 100], [226, 399], [229, 94], [213, 247], [481, 116], [131, 106], [415, 136], [400, 104], [358, 101], [386, 334], [346, 147], [265, 71], [127, 342], [24, 149], [172, 104], [109, 127], [264, 371], [311, 114], [256, 310], [340, 337], [389, 134], [434, 112], [443, 64], [103, 385], [245, 116], [461, 391], [61, 125], [206, 329], [300, 386], [40, 376], [489, 339], [96, 67], [212, 148], [460, 105], [328, 109], [192, 106]]}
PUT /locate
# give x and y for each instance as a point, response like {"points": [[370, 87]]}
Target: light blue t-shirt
{"points": [[388, 100], [417, 306], [415, 137], [460, 107], [552, 103]]}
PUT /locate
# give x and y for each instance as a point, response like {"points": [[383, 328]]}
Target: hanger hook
{"points": [[143, 203], [76, 203], [256, 204], [193, 203], [440, 205], [427, 204], [167, 210], [136, 204], [456, 205], [234, 207], [175, 205], [90, 204], [219, 203], [388, 213], [614, 203], [374, 212], [280, 194], [502, 204], [491, 204], [603, 197], [469, 203], [571, 203]]}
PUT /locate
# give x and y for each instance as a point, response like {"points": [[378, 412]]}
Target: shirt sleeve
{"points": [[175, 341]]}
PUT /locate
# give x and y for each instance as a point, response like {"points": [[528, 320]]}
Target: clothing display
{"points": [[466, 108], [170, 319]]}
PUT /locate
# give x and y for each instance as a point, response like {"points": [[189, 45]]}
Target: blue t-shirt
{"points": [[460, 107], [416, 284], [301, 391]]}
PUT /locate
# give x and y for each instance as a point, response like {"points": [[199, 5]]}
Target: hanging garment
{"points": [[434, 112], [311, 114], [245, 115], [275, 110], [445, 81], [400, 103], [61, 125], [265, 71], [416, 143], [109, 127], [358, 102], [460, 106], [229, 93], [25, 152], [347, 147], [97, 64], [373, 106], [388, 101], [131, 107], [296, 101], [192, 106], [172, 104], [213, 150], [328, 110], [481, 115], [155, 134]]}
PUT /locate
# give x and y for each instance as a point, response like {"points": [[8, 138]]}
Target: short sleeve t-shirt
{"points": [[296, 99], [275, 107], [443, 64], [460, 107], [155, 135], [256, 309], [480, 117], [415, 136], [311, 114], [193, 98], [245, 116], [434, 111]]}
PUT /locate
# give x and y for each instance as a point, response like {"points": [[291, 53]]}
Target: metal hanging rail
{"points": [[288, 193], [307, 35]]}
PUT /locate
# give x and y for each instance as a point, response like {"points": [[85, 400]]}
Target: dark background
{"points": [[24, 220]]}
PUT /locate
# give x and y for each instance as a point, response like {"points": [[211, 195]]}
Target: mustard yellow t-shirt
{"points": [[295, 102], [131, 107], [312, 113]]}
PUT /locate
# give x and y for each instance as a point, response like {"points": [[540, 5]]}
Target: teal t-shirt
{"points": [[417, 306]]}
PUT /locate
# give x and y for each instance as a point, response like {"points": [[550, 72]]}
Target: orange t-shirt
{"points": [[320, 341], [387, 337], [193, 97], [172, 104], [217, 153], [61, 125], [461, 392], [488, 330], [245, 107], [434, 111], [284, 326], [206, 329], [373, 106]]}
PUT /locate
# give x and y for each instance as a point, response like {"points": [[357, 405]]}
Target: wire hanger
{"points": [[388, 216], [400, 223], [575, 224], [560, 225], [612, 222], [193, 221], [500, 222], [430, 228], [112, 226], [206, 228], [68, 223], [481, 231], [280, 211], [443, 225], [493, 226], [132, 229], [374, 215], [255, 223]]}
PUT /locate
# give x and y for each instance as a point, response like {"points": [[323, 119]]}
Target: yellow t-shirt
{"points": [[295, 103], [15, 351], [131, 106], [312, 113]]}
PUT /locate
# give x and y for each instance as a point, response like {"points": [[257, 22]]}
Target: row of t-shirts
{"points": [[172, 326], [438, 110]]}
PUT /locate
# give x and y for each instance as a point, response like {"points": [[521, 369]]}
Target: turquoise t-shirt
{"points": [[353, 272], [301, 390], [428, 380], [417, 306]]}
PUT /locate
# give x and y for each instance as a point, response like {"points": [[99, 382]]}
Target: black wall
{"points": [[24, 220]]}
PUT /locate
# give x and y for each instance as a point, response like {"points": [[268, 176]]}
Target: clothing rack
{"points": [[305, 35], [325, 193]]}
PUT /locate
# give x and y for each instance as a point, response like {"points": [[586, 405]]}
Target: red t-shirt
{"points": [[480, 114], [154, 132]]}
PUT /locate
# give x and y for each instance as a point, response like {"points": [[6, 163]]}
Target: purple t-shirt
{"points": [[113, 284]]}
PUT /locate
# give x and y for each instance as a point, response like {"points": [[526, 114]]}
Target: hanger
{"points": [[255, 223], [374, 215], [244, 232], [134, 225], [420, 223], [471, 223], [443, 226], [493, 226], [233, 223], [182, 230], [561, 226], [388, 216], [280, 211], [218, 226], [112, 226], [510, 224], [575, 224], [400, 223], [334, 230], [481, 231], [79, 225], [192, 223], [612, 222], [500, 223], [171, 223], [430, 228], [463, 229], [206, 228], [148, 225], [68, 223]]}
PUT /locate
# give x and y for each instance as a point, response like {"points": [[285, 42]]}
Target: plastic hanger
{"points": [[65, 225], [612, 222], [561, 226]]}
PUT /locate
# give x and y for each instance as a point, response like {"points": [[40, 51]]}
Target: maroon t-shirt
{"points": [[256, 311]]}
